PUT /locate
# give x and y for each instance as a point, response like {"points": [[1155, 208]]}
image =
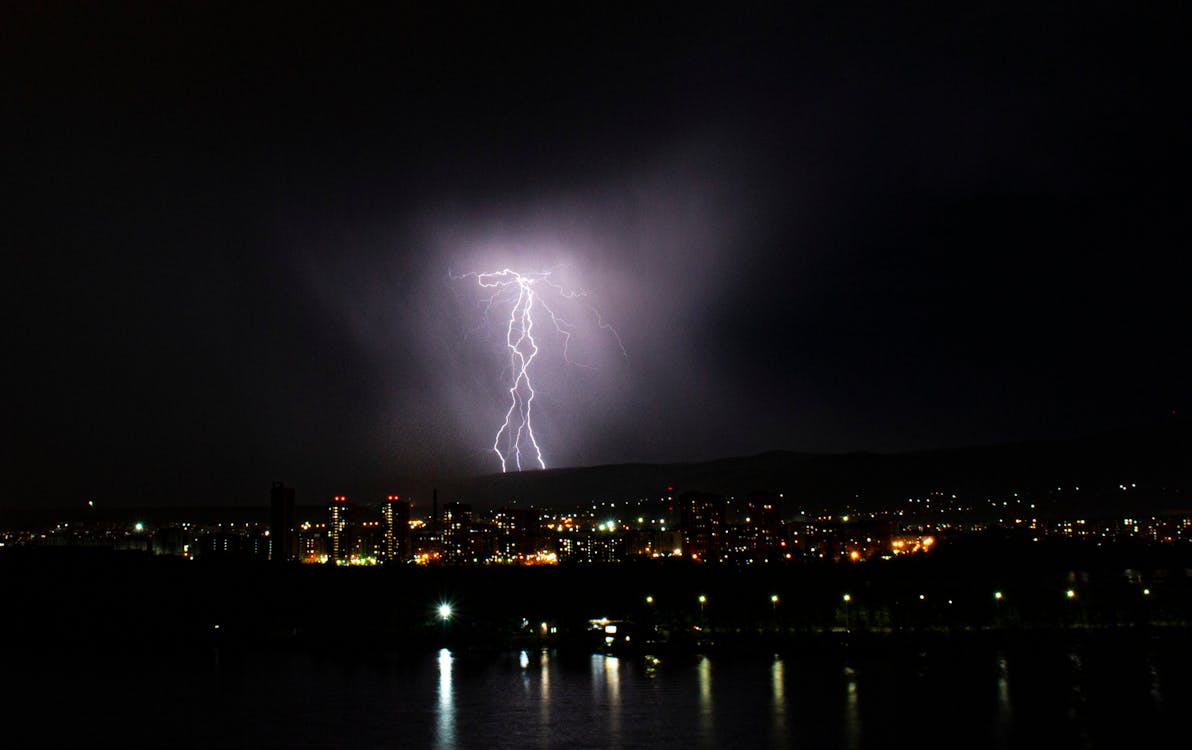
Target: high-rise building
{"points": [[395, 526], [764, 519], [702, 522], [283, 542], [516, 528], [457, 529], [338, 531]]}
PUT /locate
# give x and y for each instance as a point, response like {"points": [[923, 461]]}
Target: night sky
{"points": [[229, 235]]}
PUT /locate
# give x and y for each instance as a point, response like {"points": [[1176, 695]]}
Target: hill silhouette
{"points": [[1156, 460]]}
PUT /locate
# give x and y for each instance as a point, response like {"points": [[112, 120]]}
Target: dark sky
{"points": [[228, 234]]}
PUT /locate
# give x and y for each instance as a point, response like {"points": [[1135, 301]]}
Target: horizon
{"points": [[481, 489]]}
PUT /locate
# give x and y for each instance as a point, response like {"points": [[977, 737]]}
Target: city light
{"points": [[615, 530], [445, 612]]}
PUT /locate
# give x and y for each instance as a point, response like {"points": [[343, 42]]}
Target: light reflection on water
{"points": [[881, 695], [1005, 714], [852, 710], [706, 725], [1077, 707], [1156, 690], [445, 737], [544, 715], [778, 728], [612, 680], [707, 701]]}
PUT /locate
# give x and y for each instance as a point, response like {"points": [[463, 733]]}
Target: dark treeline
{"points": [[86, 599]]}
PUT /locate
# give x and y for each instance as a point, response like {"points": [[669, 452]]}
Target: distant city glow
{"points": [[615, 530]]}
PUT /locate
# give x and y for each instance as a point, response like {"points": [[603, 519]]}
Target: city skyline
{"points": [[672, 526]]}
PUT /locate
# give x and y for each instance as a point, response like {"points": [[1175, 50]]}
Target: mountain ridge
{"points": [[1158, 457]]}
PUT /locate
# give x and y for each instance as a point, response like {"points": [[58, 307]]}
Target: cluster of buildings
{"points": [[1176, 527], [700, 527]]}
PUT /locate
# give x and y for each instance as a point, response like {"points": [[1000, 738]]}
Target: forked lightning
{"points": [[527, 293]]}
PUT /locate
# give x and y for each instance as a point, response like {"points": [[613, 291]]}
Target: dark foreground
{"points": [[82, 599], [103, 647]]}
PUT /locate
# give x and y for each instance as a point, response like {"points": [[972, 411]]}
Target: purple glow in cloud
{"points": [[522, 292]]}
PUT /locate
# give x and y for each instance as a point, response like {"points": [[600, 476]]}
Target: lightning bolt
{"points": [[524, 293]]}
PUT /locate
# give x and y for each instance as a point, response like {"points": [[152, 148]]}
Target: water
{"points": [[1057, 693]]}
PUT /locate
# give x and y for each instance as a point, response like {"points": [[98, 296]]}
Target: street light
{"points": [[444, 612], [649, 600], [847, 598]]}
